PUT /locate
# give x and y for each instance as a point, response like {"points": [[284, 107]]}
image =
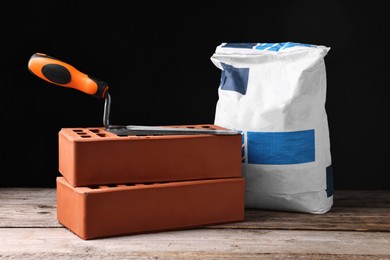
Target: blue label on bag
{"points": [[281, 147], [234, 79]]}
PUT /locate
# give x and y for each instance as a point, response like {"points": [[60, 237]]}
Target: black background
{"points": [[156, 59]]}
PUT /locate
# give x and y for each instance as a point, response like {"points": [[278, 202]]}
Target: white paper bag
{"points": [[275, 93]]}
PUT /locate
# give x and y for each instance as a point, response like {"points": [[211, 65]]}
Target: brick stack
{"points": [[114, 185]]}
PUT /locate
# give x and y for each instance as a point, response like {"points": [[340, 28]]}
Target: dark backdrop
{"points": [[156, 60]]}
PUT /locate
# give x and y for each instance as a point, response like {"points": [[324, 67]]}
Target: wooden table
{"points": [[357, 227]]}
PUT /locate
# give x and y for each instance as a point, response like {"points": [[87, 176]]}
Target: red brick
{"points": [[123, 210], [94, 156]]}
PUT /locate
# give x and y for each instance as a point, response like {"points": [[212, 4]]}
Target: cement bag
{"points": [[275, 94]]}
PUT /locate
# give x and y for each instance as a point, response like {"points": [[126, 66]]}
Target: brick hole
{"points": [[77, 130], [94, 130], [101, 135], [85, 136], [93, 187], [205, 126]]}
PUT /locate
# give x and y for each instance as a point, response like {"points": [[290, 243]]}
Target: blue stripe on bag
{"points": [[281, 147], [234, 79], [239, 45], [278, 46], [266, 46], [329, 181]]}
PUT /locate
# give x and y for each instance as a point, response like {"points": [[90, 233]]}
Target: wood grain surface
{"points": [[357, 227]]}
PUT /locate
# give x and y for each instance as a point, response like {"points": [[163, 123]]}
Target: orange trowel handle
{"points": [[63, 74]]}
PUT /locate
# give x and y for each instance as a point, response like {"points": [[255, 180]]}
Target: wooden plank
{"points": [[352, 211], [58, 243], [35, 207], [28, 207], [343, 219]]}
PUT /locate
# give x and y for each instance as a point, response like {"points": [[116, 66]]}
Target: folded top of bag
{"points": [[256, 48]]}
